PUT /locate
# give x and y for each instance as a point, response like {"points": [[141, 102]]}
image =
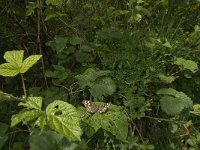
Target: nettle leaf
{"points": [[32, 113], [173, 102], [16, 64], [113, 121], [63, 118], [186, 64], [104, 87]]}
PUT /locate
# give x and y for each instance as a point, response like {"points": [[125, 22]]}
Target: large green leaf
{"points": [[63, 118], [29, 62], [113, 121], [173, 102], [16, 64], [186, 64]]}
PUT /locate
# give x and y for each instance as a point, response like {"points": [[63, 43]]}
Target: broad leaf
{"points": [[29, 62], [63, 118], [113, 121], [14, 57], [173, 102], [8, 70], [186, 64], [16, 64], [104, 87]]}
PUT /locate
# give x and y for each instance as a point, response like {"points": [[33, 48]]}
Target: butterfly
{"points": [[94, 108]]}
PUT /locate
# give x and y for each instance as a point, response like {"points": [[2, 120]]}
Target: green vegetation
{"points": [[135, 60]]}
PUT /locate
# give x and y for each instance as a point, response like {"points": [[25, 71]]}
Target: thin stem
{"points": [[39, 46], [23, 85]]}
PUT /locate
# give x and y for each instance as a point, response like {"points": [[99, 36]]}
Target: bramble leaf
{"points": [[63, 118], [113, 121]]}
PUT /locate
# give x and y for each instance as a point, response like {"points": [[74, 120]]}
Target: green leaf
{"points": [[30, 8], [26, 116], [8, 70], [75, 40], [63, 118], [59, 43], [32, 113], [14, 57], [16, 64], [32, 103], [104, 87], [186, 64], [54, 2], [49, 140], [29, 62], [173, 102], [166, 79], [113, 121]]}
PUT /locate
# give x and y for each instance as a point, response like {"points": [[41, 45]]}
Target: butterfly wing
{"points": [[102, 108], [90, 106]]}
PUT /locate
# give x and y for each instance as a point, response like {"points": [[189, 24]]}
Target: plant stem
{"points": [[23, 85]]}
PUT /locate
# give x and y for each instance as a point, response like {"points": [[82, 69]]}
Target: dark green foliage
{"points": [[140, 55]]}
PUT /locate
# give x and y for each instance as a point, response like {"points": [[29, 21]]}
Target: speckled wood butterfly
{"points": [[94, 108]]}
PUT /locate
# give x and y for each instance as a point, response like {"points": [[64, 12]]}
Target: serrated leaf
{"points": [[173, 102], [186, 64], [8, 70], [113, 121], [14, 57], [63, 118], [104, 87], [32, 103], [25, 116], [29, 62], [16, 64]]}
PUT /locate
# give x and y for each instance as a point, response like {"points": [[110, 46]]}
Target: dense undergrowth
{"points": [[136, 60]]}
